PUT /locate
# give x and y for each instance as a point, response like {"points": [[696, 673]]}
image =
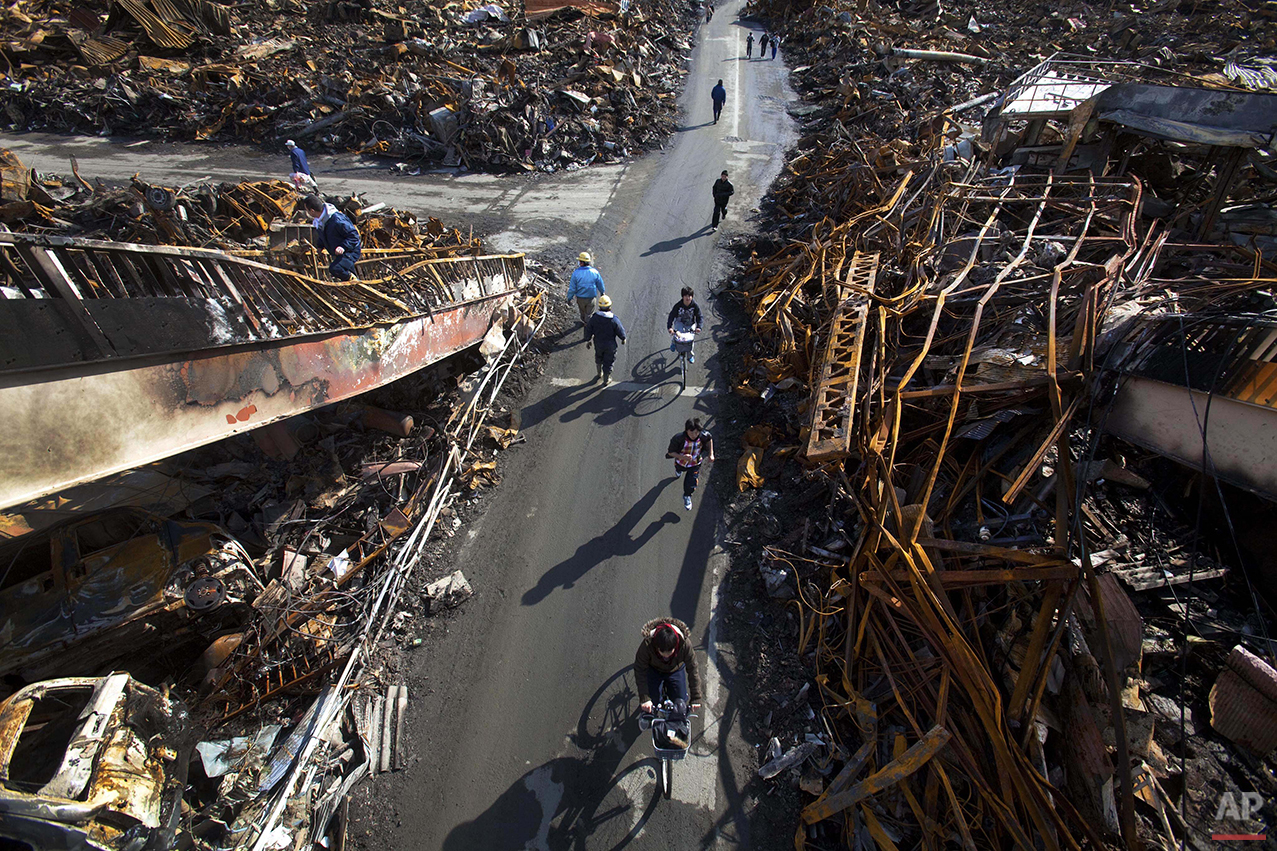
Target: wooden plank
{"points": [[895, 771], [1147, 578]]}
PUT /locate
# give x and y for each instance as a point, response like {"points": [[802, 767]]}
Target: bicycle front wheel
{"points": [[667, 776]]}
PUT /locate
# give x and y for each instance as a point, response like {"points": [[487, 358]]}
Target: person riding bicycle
{"points": [[665, 664], [685, 317]]}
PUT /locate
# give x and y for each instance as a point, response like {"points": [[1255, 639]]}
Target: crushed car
{"points": [[92, 763], [112, 583]]}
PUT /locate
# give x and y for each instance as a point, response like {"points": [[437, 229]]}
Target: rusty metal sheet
{"points": [[75, 425]]}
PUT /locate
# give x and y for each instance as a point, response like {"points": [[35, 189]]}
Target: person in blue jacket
{"points": [[301, 168], [604, 329], [586, 286], [338, 234], [719, 95]]}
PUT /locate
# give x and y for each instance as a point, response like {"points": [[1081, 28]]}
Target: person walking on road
{"points": [[586, 286], [775, 44], [666, 663], [719, 96], [749, 45], [337, 234], [709, 12], [762, 46], [722, 190], [301, 176], [689, 448], [603, 330]]}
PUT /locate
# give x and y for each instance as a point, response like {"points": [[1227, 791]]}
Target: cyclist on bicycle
{"points": [[665, 666], [684, 316]]}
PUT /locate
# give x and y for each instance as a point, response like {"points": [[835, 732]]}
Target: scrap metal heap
{"points": [[231, 216], [275, 624], [421, 81], [945, 318]]}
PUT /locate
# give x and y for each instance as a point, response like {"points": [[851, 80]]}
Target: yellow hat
{"points": [[605, 302], [584, 257]]}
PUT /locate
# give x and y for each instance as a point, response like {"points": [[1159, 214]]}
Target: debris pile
{"points": [[276, 612], [1003, 616], [421, 81], [232, 216]]}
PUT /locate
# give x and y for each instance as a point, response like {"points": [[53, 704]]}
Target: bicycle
{"points": [[683, 339], [661, 725]]}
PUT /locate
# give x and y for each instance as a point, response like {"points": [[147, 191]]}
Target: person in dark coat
{"points": [[666, 661], [603, 330], [719, 95], [689, 448], [749, 45], [336, 234], [762, 46], [722, 190], [302, 178]]}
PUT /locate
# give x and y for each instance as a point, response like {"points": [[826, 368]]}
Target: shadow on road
{"points": [[616, 541], [676, 243], [576, 801], [556, 401], [689, 127]]}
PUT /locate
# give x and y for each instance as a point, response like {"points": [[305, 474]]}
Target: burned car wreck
{"points": [[92, 763], [112, 582]]}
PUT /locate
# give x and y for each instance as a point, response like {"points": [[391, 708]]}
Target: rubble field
{"points": [[483, 87], [983, 601]]}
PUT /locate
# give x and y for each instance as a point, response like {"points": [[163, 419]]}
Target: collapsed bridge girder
{"points": [[116, 355]]}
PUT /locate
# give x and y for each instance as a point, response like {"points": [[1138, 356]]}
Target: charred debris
{"points": [[1011, 390], [532, 86], [207, 652]]}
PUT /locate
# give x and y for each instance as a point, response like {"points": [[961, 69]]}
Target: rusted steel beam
{"points": [[834, 400], [78, 423]]}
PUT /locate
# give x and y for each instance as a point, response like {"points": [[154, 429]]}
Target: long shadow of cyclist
{"points": [[575, 802]]}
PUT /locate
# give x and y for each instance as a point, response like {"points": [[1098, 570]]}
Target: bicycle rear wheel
{"points": [[667, 776]]}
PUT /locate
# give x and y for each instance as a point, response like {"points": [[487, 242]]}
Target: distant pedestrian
{"points": [[709, 12], [301, 176], [749, 45], [338, 235], [719, 96], [762, 46], [586, 286], [775, 44], [722, 190], [603, 330]]}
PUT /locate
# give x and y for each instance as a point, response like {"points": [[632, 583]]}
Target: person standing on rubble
{"points": [[338, 234], [603, 330], [586, 286], [301, 176], [722, 190], [719, 95], [749, 46], [689, 448]]}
